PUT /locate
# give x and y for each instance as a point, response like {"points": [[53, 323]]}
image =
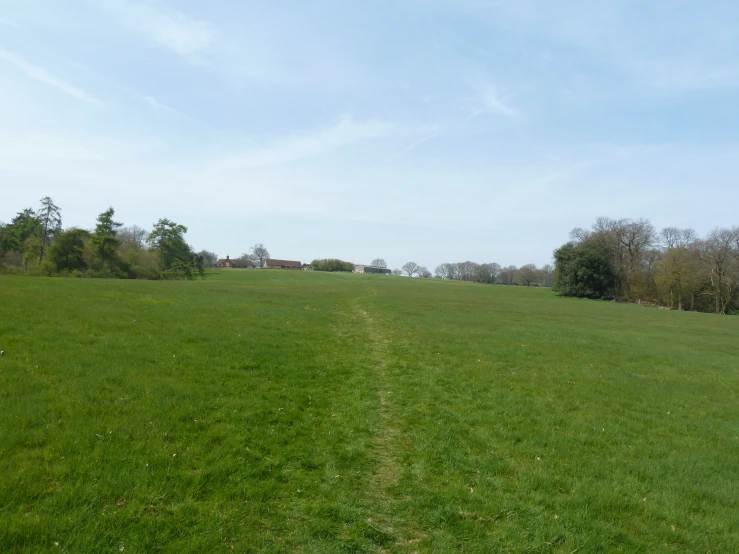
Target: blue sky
{"points": [[434, 130]]}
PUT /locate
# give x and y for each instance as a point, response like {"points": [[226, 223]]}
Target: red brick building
{"points": [[228, 263]]}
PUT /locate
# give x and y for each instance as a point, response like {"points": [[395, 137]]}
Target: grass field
{"points": [[303, 412]]}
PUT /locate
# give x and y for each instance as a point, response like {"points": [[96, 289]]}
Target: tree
{"points": [[209, 259], [167, 238], [466, 270], [546, 274], [104, 239], [674, 271], [720, 258], [133, 237], [68, 249], [379, 262], [411, 268], [673, 237], [24, 225], [626, 242], [528, 274], [51, 220], [583, 270], [508, 275], [259, 254], [396, 272], [424, 273], [331, 264]]}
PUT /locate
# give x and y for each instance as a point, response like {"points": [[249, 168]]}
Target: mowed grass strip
{"points": [[281, 412]]}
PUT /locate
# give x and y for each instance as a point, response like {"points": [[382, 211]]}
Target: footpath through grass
{"points": [[302, 412]]}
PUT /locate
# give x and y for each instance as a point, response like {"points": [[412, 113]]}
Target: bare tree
{"points": [[424, 273], [579, 235], [508, 275], [673, 237], [396, 271], [466, 270], [411, 268], [547, 274], [528, 274], [133, 237], [486, 273], [442, 271], [379, 262], [720, 259], [259, 254]]}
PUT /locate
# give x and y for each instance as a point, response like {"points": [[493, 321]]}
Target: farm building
{"points": [[371, 269], [282, 264], [227, 262]]}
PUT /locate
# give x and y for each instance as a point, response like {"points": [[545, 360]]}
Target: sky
{"points": [[423, 130]]}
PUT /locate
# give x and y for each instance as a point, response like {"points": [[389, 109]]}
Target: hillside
{"points": [[293, 411]]}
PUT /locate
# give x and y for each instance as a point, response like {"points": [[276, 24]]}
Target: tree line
{"points": [[628, 260], [35, 242]]}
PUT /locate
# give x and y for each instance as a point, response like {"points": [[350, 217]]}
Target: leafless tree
{"points": [[673, 237], [486, 273], [379, 262], [396, 271], [466, 270], [259, 254], [547, 274], [424, 273], [508, 275], [529, 274], [442, 271], [411, 268], [720, 258], [132, 237], [579, 235]]}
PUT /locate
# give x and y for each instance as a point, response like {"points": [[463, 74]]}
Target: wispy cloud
{"points": [[151, 101], [8, 23], [39, 74], [412, 146], [299, 147], [686, 74], [492, 102], [169, 28]]}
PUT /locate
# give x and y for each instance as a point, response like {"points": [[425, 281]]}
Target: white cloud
{"points": [[170, 28], [299, 147], [43, 76]]}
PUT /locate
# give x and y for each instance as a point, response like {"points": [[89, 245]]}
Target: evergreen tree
{"points": [[24, 225], [168, 239], [51, 220], [104, 239], [583, 270]]}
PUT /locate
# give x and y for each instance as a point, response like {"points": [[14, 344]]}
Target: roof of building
{"points": [[288, 263]]}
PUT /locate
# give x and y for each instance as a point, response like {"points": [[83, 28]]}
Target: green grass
{"points": [[303, 412]]}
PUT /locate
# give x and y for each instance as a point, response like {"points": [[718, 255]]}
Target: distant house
{"points": [[371, 269], [227, 262], [282, 264]]}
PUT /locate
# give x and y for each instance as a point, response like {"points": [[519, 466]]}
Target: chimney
{"points": [[227, 256]]}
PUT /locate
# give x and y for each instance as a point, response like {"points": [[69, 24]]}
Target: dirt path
{"points": [[388, 443]]}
